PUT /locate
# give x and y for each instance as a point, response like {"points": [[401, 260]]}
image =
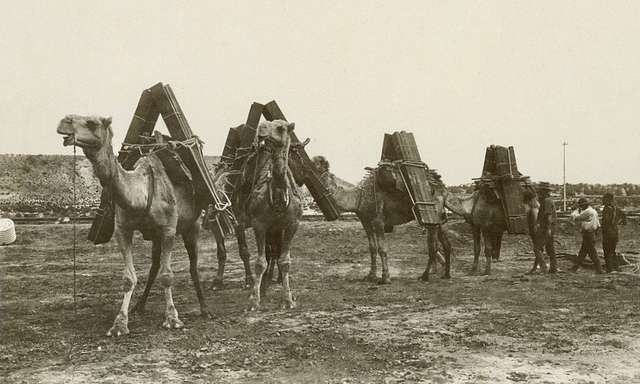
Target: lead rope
{"points": [[73, 221]]}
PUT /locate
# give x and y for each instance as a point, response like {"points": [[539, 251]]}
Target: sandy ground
{"points": [[568, 328]]}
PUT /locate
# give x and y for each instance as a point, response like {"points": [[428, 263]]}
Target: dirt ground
{"points": [[573, 328]]}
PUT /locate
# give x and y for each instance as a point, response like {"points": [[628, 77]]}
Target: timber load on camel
{"points": [[243, 141], [180, 153], [400, 151], [244, 147], [500, 174]]}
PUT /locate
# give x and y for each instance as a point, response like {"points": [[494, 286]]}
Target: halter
{"points": [[269, 146]]}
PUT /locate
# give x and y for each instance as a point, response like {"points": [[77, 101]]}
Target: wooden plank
{"points": [[504, 164], [230, 146], [513, 204], [321, 195], [179, 128], [103, 224], [425, 209], [388, 151], [489, 167], [512, 155], [255, 112]]}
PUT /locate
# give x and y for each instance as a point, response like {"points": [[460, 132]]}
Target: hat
{"points": [[582, 201], [544, 186]]}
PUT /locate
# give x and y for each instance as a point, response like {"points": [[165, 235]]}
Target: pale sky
{"points": [[460, 75]]}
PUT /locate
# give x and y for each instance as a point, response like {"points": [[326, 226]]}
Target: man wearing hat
{"points": [[589, 224], [545, 230], [611, 217]]}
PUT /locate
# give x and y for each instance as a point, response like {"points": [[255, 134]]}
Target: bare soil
{"points": [[504, 328]]}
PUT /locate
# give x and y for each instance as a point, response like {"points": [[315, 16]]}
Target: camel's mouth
{"points": [[69, 140]]}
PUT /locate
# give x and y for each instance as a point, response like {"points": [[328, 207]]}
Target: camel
{"points": [[222, 175], [268, 200], [484, 212], [379, 209], [145, 200]]}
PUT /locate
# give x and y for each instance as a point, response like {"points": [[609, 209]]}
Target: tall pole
{"points": [[564, 175]]}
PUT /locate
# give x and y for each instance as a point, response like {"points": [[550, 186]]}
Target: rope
{"points": [[510, 170], [73, 220]]}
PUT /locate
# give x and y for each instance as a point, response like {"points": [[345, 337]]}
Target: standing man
{"points": [[545, 230], [589, 224], [611, 217]]}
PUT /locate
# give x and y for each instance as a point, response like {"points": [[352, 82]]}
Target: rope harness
{"points": [[222, 202]]}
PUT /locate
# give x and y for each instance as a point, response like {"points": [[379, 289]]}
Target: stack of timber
{"points": [[188, 163], [238, 147], [401, 148], [240, 141], [321, 195], [501, 171]]}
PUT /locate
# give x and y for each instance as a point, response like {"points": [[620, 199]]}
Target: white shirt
{"points": [[588, 219]]}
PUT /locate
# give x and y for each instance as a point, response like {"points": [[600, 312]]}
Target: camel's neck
{"points": [[347, 199], [460, 206], [111, 175], [280, 168]]}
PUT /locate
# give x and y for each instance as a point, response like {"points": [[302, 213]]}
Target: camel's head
{"points": [[327, 178], [276, 134], [87, 132]]}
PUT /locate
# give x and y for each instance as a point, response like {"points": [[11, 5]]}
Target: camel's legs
{"points": [[166, 280], [221, 253], [446, 248], [378, 230], [284, 263], [535, 258], [190, 239], [496, 254], [259, 268], [153, 272], [123, 238], [373, 251], [431, 250], [272, 251], [477, 248], [489, 250], [243, 250]]}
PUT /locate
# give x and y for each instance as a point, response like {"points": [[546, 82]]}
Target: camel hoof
{"points": [[288, 304], [254, 304], [205, 314], [384, 280], [446, 276], [424, 277], [172, 322], [119, 329], [217, 285], [532, 272], [371, 277]]}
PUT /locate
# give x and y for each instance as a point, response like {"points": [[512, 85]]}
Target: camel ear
{"points": [[291, 127], [106, 121]]}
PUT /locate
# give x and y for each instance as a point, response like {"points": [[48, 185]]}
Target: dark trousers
{"points": [[609, 244], [589, 248], [545, 242]]}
